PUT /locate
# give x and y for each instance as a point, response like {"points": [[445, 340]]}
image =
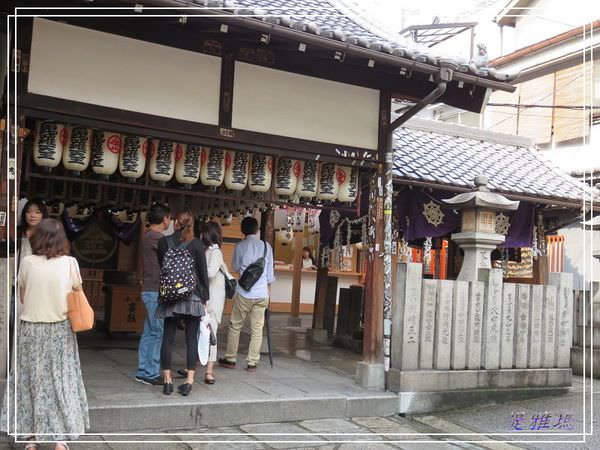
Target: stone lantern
{"points": [[478, 237]]}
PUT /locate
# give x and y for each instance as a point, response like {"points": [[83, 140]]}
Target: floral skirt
{"points": [[51, 403]]}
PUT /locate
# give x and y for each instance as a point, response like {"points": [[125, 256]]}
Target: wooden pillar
{"points": [[451, 264], [375, 283], [320, 296], [267, 227], [295, 308], [540, 270]]}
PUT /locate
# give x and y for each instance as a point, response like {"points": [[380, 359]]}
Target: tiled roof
{"points": [[334, 20], [450, 155]]}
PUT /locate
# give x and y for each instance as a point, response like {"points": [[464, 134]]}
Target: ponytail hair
{"points": [[185, 220]]}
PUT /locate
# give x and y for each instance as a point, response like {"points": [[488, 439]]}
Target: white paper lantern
{"points": [[133, 156], [106, 147], [261, 173], [77, 151], [286, 177], [328, 183], [236, 170], [162, 162], [187, 169], [212, 167], [226, 220], [284, 236], [307, 183], [348, 180], [49, 140]]}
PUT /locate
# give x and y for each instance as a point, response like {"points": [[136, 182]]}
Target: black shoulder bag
{"points": [[230, 285], [253, 272]]}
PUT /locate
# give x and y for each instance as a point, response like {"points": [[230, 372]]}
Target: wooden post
{"points": [[374, 292], [294, 319], [267, 227], [320, 297]]}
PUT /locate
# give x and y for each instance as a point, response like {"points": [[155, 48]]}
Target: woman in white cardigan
{"points": [[217, 271]]}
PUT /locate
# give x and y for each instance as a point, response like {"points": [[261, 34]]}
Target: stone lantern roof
{"points": [[482, 197]]}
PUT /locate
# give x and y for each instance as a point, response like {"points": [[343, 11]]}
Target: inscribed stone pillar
{"points": [[548, 327], [474, 325], [507, 349], [406, 317], [564, 313], [443, 325], [427, 324], [491, 317], [460, 310], [535, 327], [522, 325]]}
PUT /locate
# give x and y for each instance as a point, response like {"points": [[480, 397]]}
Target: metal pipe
{"points": [[427, 100], [323, 42]]}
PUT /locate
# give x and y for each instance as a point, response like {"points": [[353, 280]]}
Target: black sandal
{"points": [[209, 380]]}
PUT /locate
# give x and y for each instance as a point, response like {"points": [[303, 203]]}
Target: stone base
{"points": [[370, 375], [577, 361], [318, 335], [425, 391], [411, 403], [295, 322]]}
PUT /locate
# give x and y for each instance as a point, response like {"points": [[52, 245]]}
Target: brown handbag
{"points": [[80, 313]]}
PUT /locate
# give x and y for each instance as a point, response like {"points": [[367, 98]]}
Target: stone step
{"points": [[183, 415]]}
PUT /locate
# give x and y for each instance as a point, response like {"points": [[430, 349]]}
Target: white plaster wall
{"points": [[287, 104], [579, 247], [89, 66], [552, 17]]}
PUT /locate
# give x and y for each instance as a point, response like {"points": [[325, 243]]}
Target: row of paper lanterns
{"points": [[79, 148]]}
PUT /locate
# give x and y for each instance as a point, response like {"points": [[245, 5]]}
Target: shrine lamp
{"points": [[478, 237]]}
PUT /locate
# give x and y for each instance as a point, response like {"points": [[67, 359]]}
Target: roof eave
{"points": [[524, 196], [324, 42]]}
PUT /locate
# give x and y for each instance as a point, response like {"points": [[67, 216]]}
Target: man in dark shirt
{"points": [[149, 352]]}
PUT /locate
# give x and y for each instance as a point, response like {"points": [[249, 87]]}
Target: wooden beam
{"points": [[51, 108]]}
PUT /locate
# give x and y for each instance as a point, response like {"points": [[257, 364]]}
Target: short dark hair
{"points": [[157, 213], [212, 234], [249, 226], [33, 202], [49, 239]]}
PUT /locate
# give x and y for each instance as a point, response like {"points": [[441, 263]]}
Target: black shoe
{"points": [[226, 363], [251, 367], [151, 381], [184, 389], [168, 388]]}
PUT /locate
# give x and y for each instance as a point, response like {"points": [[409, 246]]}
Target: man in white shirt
{"points": [[253, 302]]}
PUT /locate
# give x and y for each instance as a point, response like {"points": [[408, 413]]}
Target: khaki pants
{"points": [[241, 308]]}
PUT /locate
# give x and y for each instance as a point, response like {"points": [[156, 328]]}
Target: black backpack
{"points": [[253, 272], [178, 273]]}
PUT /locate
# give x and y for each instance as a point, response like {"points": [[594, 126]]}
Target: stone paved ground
{"points": [[372, 432], [415, 433]]}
